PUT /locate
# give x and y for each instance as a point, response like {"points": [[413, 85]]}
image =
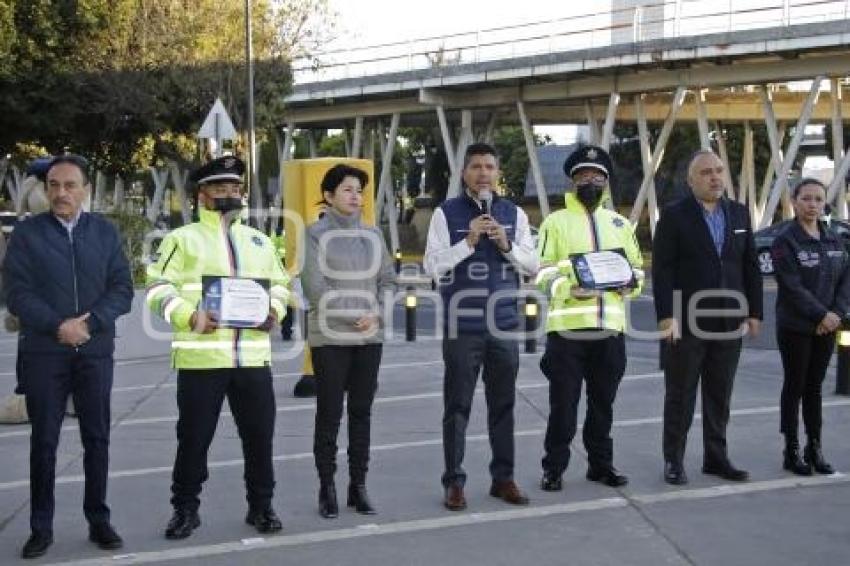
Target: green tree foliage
{"points": [[127, 81]]}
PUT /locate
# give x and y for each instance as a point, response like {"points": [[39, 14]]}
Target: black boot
{"points": [[814, 457], [182, 523], [792, 461], [328, 506], [359, 499]]}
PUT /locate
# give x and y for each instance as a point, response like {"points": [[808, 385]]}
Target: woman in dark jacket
{"points": [[347, 274], [813, 273]]}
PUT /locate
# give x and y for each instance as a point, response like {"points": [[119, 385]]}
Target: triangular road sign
{"points": [[218, 125]]}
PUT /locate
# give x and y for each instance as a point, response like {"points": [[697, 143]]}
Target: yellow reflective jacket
{"points": [[573, 231], [210, 247]]}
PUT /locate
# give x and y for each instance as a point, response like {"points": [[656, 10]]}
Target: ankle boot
{"points": [[328, 506], [814, 456], [359, 499], [792, 461]]}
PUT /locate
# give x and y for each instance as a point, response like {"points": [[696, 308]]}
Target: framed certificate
{"points": [[603, 270], [237, 302]]}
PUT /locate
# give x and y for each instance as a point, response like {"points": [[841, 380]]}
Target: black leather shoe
{"points": [[726, 471], [609, 476], [814, 457], [37, 545], [328, 506], [359, 499], [265, 520], [551, 481], [182, 523], [674, 473], [792, 461], [104, 535]]}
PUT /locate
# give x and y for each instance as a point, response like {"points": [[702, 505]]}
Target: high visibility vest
{"points": [[211, 247], [570, 231]]}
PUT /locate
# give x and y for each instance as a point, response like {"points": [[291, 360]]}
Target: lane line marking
{"points": [[437, 441], [457, 520], [24, 430]]}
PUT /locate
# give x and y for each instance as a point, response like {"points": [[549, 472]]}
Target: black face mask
{"points": [[589, 195], [227, 204]]}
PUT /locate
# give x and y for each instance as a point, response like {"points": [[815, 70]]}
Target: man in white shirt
{"points": [[478, 247]]}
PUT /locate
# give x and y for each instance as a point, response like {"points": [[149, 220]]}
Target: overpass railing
{"points": [[650, 20]]}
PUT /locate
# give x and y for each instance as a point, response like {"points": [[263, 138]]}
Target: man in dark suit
{"points": [[703, 260], [68, 280]]}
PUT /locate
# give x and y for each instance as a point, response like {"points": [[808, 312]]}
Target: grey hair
{"points": [[696, 155]]}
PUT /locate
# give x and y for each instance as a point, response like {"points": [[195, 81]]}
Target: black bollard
{"points": [[531, 316], [842, 370], [410, 315]]}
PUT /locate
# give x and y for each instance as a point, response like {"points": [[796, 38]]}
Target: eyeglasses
{"points": [[591, 176], [218, 189]]}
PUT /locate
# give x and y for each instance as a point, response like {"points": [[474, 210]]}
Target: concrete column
{"points": [[160, 179], [312, 148], [179, 179], [657, 154], [356, 141], [610, 119], [464, 139], [838, 150], [646, 161], [592, 124], [724, 157], [781, 184], [531, 148], [702, 119]]}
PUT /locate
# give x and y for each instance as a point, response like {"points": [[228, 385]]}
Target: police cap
{"points": [[588, 156], [227, 168]]}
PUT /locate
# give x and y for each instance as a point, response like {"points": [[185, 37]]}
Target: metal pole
{"points": [[410, 315], [531, 316], [842, 370], [254, 196]]}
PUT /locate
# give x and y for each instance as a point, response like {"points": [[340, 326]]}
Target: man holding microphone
{"points": [[478, 245]]}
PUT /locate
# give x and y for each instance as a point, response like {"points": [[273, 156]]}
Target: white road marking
{"points": [[437, 441], [459, 520], [24, 430]]}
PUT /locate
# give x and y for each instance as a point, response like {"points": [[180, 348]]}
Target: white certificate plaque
{"points": [[237, 302], [603, 270]]}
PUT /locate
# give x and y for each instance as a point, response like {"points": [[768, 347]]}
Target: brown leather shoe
{"points": [[455, 501], [509, 492]]}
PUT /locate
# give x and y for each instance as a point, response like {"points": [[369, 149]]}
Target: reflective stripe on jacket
{"points": [[574, 231], [211, 247]]}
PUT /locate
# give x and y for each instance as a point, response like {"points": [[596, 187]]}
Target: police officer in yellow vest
{"points": [[214, 361], [584, 326]]}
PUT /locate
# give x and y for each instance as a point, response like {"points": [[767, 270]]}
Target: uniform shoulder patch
{"points": [[257, 241], [618, 222]]}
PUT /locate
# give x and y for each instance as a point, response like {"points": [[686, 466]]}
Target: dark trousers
{"points": [[47, 382], [464, 357], [689, 360], [341, 369], [805, 358], [200, 394], [567, 363]]}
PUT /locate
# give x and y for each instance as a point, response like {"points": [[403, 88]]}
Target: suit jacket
{"points": [[685, 259]]}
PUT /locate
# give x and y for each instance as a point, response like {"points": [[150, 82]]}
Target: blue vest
{"points": [[486, 270]]}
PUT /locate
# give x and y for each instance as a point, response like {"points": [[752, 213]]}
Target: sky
{"points": [[377, 21]]}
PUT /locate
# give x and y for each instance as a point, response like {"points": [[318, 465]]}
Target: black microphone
{"points": [[486, 198]]}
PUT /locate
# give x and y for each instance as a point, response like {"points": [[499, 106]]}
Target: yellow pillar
{"points": [[302, 205]]}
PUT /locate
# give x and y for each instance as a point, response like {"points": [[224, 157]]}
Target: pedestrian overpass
{"points": [[641, 62]]}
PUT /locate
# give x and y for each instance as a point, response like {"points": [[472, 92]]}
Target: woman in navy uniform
{"points": [[813, 273]]}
